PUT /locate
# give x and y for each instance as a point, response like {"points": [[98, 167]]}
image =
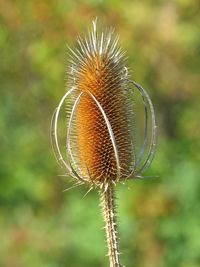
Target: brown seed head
{"points": [[100, 116], [99, 73]]}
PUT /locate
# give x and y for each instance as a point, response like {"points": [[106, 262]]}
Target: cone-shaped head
{"points": [[102, 143]]}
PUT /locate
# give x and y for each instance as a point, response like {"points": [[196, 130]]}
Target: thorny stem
{"points": [[109, 214]]}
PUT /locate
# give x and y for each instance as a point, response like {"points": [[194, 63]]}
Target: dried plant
{"points": [[100, 140]]}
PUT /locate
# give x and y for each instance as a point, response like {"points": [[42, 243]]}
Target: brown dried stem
{"points": [[109, 214]]}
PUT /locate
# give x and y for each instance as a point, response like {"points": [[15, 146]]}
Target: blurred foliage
{"points": [[158, 218]]}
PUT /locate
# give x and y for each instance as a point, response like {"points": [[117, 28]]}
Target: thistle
{"points": [[100, 140]]}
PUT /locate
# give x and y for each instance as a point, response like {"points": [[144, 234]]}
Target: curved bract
{"points": [[70, 164], [152, 128]]}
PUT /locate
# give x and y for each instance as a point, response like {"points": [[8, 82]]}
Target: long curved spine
{"points": [[153, 142]]}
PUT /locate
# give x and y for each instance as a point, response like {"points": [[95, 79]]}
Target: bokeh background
{"points": [[40, 225]]}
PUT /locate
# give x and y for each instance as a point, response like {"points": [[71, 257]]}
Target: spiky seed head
{"points": [[99, 73], [100, 141]]}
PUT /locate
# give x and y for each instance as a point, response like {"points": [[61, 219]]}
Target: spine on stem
{"points": [[109, 214]]}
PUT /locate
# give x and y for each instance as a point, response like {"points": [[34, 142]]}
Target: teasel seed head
{"points": [[100, 142]]}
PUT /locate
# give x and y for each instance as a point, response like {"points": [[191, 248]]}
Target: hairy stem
{"points": [[109, 214]]}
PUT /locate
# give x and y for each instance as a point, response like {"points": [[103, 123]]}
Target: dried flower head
{"points": [[100, 130], [100, 141]]}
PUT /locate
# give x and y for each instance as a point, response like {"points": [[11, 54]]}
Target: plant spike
{"points": [[100, 148]]}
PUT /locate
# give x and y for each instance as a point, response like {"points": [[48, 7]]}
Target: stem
{"points": [[109, 214]]}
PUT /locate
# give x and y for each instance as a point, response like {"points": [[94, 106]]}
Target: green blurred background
{"points": [[40, 225]]}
